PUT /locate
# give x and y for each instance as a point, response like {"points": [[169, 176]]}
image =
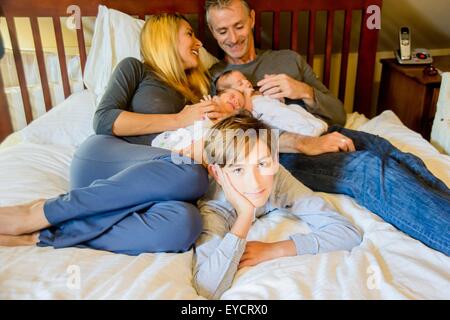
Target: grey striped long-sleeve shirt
{"points": [[218, 251]]}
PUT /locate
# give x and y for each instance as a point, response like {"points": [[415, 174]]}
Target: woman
{"points": [[127, 196]]}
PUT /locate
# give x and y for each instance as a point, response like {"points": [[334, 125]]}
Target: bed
{"points": [[34, 163]]}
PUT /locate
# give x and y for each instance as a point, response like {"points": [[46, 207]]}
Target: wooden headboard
{"points": [[58, 8]]}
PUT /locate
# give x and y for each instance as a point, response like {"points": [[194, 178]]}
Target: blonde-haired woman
{"points": [[127, 196]]}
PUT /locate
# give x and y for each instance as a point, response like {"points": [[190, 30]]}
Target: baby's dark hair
{"points": [[223, 74]]}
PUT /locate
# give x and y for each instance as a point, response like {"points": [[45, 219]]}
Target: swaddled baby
{"points": [[275, 113]]}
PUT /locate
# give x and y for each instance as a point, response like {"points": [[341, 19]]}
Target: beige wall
{"points": [[429, 22], [25, 38], [351, 76]]}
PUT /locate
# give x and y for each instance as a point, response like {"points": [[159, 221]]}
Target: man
{"points": [[231, 23], [379, 176]]}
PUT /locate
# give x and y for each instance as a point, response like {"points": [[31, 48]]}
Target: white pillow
{"points": [[68, 124], [440, 133], [116, 36]]}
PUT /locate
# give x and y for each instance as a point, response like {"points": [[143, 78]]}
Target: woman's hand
{"points": [[257, 252], [222, 112], [206, 98], [198, 112], [248, 93]]}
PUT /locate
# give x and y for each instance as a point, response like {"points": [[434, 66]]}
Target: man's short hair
{"points": [[220, 4]]}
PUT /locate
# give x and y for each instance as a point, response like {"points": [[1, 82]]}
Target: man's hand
{"points": [[282, 86], [257, 252], [312, 146]]}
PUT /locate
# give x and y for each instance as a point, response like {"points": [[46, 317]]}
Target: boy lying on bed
{"points": [[250, 184], [235, 92]]}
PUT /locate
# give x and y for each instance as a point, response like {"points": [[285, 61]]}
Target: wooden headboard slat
{"points": [[329, 48], [366, 65], [306, 5], [48, 8], [61, 56], [81, 46], [19, 68], [257, 29], [202, 27], [41, 62], [311, 37], [344, 54], [58, 8], [5, 119], [276, 30], [294, 30]]}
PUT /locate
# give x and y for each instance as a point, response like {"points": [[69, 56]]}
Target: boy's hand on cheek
{"points": [[242, 205], [257, 252]]}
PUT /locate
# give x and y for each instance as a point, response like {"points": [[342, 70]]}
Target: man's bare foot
{"points": [[22, 240], [23, 219]]}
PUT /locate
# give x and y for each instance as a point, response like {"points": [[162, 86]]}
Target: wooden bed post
{"points": [[6, 127], [367, 52], [5, 117]]}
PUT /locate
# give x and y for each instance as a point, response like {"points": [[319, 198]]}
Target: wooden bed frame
{"points": [[58, 8]]}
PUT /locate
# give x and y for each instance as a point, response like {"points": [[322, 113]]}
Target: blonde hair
{"points": [[159, 39], [232, 139]]}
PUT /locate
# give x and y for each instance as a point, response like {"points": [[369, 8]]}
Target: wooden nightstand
{"points": [[410, 93]]}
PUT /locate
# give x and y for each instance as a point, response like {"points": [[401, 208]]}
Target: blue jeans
{"points": [[395, 185], [126, 198]]}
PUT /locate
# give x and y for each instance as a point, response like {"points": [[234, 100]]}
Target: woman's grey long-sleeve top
{"points": [[134, 87]]}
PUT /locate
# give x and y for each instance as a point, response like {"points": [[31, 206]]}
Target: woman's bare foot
{"points": [[22, 240], [23, 219]]}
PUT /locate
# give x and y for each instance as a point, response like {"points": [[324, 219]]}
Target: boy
{"points": [[249, 184]]}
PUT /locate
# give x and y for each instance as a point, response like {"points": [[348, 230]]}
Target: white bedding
{"points": [[387, 265]]}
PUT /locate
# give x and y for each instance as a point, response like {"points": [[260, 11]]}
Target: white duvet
{"points": [[387, 265]]}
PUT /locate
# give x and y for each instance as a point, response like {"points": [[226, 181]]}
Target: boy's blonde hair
{"points": [[231, 140], [159, 48]]}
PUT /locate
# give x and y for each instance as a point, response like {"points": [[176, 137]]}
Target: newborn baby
{"points": [[275, 113]]}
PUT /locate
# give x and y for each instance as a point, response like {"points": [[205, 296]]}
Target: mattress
{"points": [[388, 264]]}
